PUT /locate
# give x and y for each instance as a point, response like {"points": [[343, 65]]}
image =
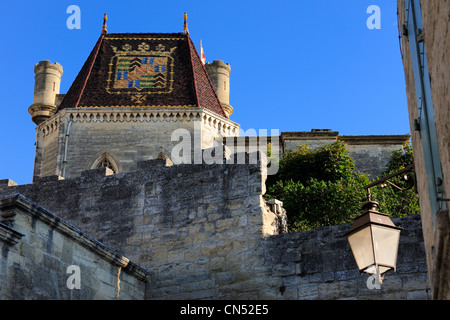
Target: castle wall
{"points": [[75, 139], [50, 148], [42, 255], [370, 153], [205, 232], [315, 139], [177, 221], [124, 137], [49, 137], [319, 264]]}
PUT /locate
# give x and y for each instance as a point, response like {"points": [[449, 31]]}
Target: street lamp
{"points": [[373, 237], [374, 240]]}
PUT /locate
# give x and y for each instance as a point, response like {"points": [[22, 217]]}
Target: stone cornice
{"points": [[328, 134], [9, 235], [310, 135], [154, 114], [18, 203], [375, 139]]}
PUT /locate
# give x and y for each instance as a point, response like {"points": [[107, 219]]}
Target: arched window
{"points": [[106, 161], [162, 155]]}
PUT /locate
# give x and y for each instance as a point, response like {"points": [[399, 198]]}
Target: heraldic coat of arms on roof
{"points": [[141, 70]]}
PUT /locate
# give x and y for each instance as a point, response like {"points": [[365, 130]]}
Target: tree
{"points": [[318, 187]]}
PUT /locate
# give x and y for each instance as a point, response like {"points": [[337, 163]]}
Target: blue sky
{"points": [[295, 65]]}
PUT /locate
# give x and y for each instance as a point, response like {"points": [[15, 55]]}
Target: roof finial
{"points": [[185, 27], [104, 23]]}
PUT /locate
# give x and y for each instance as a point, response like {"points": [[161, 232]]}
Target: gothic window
{"points": [[106, 161]]}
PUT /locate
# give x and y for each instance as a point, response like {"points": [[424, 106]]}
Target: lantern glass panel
{"points": [[361, 245], [385, 242]]}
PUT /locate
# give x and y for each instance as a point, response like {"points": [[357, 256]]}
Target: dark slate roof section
{"points": [[206, 95], [143, 70]]}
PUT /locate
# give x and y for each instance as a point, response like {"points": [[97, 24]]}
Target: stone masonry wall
{"points": [[435, 15], [37, 248], [77, 138], [370, 153], [372, 159], [184, 222], [436, 37], [205, 232], [319, 264]]}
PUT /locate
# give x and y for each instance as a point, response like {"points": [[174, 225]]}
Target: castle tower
{"points": [[128, 103], [219, 73], [46, 87]]}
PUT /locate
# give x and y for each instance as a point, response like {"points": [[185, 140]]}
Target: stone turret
{"points": [[219, 73], [46, 88]]}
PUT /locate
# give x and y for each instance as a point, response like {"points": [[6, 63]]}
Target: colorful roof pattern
{"points": [[143, 70]]}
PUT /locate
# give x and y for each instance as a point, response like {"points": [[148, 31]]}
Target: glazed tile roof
{"points": [[143, 70]]}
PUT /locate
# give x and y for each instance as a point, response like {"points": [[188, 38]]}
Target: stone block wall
{"points": [[436, 38], [48, 143], [205, 232], [370, 153], [315, 138], [73, 140], [319, 264], [39, 250], [182, 222]]}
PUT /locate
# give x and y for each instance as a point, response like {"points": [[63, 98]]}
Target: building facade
{"points": [[425, 46]]}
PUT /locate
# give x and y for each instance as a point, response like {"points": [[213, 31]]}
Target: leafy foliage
{"points": [[318, 187], [329, 163], [402, 199], [321, 187]]}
